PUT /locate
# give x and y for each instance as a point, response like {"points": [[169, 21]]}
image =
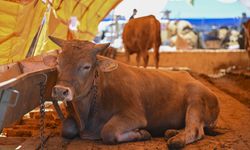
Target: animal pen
{"points": [[43, 121], [31, 119]]}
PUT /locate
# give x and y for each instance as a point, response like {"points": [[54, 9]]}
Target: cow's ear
{"points": [[100, 47], [108, 65], [50, 60], [58, 41]]}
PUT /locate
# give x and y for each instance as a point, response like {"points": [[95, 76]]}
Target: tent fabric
{"points": [[21, 22], [18, 25], [88, 12], [246, 3]]}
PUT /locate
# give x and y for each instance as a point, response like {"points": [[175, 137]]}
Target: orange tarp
{"points": [[20, 22]]}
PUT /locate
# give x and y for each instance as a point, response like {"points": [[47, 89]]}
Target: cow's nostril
{"points": [[66, 93], [61, 92]]}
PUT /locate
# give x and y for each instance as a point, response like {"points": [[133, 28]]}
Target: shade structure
{"points": [[26, 24], [206, 9]]}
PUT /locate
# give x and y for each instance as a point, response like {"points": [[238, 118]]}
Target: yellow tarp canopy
{"points": [[21, 21]]}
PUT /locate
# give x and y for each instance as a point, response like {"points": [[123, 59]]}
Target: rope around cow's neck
{"points": [[93, 98], [94, 84]]}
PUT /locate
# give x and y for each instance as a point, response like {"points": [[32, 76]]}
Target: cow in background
{"points": [[229, 38], [140, 35], [242, 38], [181, 34], [246, 27], [223, 37]]}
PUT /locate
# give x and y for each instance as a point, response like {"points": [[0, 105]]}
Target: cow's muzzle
{"points": [[62, 93]]}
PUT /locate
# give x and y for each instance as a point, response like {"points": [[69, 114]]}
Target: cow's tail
{"points": [[157, 42], [158, 33]]}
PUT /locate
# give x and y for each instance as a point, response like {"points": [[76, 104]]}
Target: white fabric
{"points": [[227, 1], [246, 3]]}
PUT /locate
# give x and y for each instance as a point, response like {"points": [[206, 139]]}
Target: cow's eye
{"points": [[85, 68]]}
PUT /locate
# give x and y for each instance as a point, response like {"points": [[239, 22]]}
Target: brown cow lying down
{"points": [[117, 103]]}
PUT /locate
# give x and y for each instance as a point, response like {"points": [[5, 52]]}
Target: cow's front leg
{"points": [[145, 58], [194, 126], [127, 56], [122, 128]]}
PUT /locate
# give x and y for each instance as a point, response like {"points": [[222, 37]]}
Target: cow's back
{"points": [[141, 34], [152, 89]]}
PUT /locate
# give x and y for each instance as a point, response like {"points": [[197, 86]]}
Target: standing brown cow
{"points": [[246, 27], [140, 35], [117, 103]]}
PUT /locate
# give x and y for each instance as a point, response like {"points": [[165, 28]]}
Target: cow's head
{"points": [[76, 66]]}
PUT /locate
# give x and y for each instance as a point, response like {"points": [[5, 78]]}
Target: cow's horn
{"points": [[58, 41], [99, 47]]}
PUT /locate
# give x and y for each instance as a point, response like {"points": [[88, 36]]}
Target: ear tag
{"points": [[108, 65]]}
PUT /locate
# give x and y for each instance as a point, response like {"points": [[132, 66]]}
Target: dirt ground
{"points": [[235, 83], [233, 92]]}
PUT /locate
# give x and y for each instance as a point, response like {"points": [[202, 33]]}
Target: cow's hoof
{"points": [[175, 143], [109, 137], [170, 133], [145, 135]]}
